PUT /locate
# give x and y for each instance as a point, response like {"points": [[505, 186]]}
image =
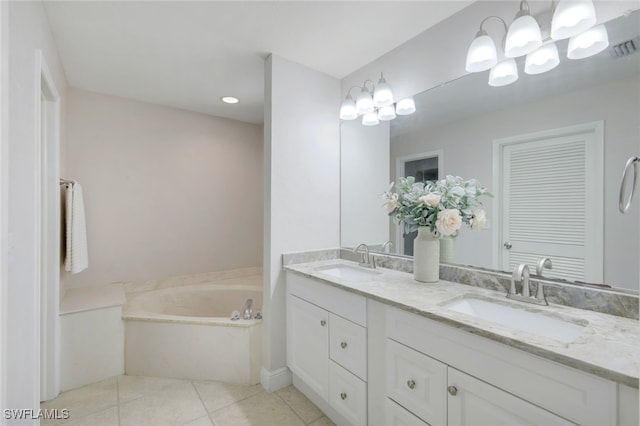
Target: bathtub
{"points": [[186, 332]]}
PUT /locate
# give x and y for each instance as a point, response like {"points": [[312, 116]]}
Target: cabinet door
{"points": [[308, 343], [473, 402]]}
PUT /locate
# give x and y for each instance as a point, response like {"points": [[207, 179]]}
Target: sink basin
{"points": [[518, 318], [348, 272]]}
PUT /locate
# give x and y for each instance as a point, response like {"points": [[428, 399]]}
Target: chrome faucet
{"points": [[365, 259], [387, 246], [545, 262], [521, 275], [248, 310]]}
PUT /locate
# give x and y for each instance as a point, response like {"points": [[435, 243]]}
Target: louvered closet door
{"points": [[551, 195]]}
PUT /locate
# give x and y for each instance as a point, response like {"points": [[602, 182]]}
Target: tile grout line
{"points": [[202, 402], [118, 398], [294, 411]]}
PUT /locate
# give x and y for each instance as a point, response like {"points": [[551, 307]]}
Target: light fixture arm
{"points": [[482, 32], [524, 9]]}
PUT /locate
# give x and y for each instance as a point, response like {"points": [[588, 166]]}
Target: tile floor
{"points": [[153, 401]]}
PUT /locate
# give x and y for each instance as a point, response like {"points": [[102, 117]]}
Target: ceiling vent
{"points": [[626, 48]]}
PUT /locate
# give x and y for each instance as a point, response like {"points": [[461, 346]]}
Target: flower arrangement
{"points": [[441, 205]]}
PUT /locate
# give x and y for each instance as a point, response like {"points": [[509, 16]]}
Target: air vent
{"points": [[626, 48]]}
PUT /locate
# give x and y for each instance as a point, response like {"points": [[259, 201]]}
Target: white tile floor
{"points": [[153, 401]]}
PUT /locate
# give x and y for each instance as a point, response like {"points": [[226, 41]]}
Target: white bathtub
{"points": [[186, 332]]}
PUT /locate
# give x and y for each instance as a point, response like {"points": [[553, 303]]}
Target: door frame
{"points": [[400, 171], [47, 206], [596, 170]]}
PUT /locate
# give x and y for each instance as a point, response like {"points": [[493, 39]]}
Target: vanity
{"points": [[375, 347]]}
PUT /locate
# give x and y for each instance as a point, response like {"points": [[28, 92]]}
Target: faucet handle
{"points": [[540, 293]]}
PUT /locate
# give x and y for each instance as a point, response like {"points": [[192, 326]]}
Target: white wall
{"points": [[438, 54], [302, 187], [28, 31], [467, 147], [4, 205], [364, 171], [167, 192]]}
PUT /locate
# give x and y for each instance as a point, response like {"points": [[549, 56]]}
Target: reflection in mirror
{"points": [[551, 148]]}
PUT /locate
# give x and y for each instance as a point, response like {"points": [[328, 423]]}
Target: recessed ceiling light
{"points": [[229, 100]]}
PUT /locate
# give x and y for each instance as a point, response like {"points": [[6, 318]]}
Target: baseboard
{"points": [[274, 380]]}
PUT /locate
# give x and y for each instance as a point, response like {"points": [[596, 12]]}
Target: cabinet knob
{"points": [[343, 396], [343, 345], [411, 383], [508, 245], [323, 323], [453, 390]]}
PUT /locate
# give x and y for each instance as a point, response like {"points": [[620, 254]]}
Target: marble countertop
{"points": [[609, 346]]}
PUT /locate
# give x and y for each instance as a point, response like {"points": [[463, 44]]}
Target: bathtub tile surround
{"points": [[184, 280], [152, 401], [613, 302]]}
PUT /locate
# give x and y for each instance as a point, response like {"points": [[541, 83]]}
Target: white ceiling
{"points": [[189, 54]]}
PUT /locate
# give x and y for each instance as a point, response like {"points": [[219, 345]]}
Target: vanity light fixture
{"points": [[588, 43], [374, 103], [229, 100], [523, 36], [573, 19], [542, 59], [504, 73]]}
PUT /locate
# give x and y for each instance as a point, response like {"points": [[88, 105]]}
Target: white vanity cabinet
{"points": [[327, 347], [443, 376]]}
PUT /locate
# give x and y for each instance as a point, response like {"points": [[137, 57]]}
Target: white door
{"points": [[472, 402], [308, 343], [549, 191]]}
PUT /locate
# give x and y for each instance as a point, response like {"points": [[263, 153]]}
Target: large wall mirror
{"points": [[551, 147]]}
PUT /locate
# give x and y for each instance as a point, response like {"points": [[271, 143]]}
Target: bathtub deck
{"points": [[142, 401]]}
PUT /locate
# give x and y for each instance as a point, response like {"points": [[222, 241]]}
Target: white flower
{"points": [[478, 220], [430, 199], [448, 222], [391, 203]]}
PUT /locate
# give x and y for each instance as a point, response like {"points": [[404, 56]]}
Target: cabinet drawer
{"points": [[417, 382], [580, 397], [398, 416], [347, 394], [348, 345]]}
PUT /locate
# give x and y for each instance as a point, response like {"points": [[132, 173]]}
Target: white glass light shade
{"points": [[370, 119], [405, 106], [542, 60], [387, 113], [482, 54], [382, 96], [572, 17], [348, 109], [364, 102], [505, 72], [589, 43], [523, 37]]}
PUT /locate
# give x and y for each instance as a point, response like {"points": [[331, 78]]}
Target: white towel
{"points": [[77, 257]]}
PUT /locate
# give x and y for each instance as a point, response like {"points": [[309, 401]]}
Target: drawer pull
{"points": [[343, 345], [411, 383], [453, 390], [323, 323], [343, 396]]}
